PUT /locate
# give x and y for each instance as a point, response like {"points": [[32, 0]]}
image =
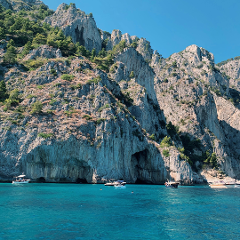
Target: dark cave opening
{"points": [[141, 165], [81, 180], [41, 180]]}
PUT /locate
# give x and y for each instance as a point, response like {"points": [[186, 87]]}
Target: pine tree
{"points": [[3, 90], [10, 55]]}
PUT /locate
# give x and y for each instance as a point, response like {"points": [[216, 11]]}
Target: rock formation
{"points": [[75, 23], [145, 119]]}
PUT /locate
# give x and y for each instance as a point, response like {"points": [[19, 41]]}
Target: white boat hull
{"points": [[218, 186], [23, 182]]}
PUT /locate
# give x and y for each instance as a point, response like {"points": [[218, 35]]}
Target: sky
{"points": [[170, 25]]}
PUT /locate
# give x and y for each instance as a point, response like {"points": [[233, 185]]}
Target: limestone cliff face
{"points": [[145, 120], [75, 23], [194, 96], [232, 70], [140, 88], [44, 52], [88, 129]]}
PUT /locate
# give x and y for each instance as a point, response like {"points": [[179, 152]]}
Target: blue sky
{"points": [[170, 25]]}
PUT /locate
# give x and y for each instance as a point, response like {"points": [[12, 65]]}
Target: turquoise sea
{"points": [[83, 211]]}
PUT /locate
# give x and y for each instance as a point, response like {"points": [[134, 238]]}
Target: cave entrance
{"points": [[41, 180], [81, 180], [141, 167]]}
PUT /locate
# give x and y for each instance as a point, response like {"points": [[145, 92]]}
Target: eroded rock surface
{"points": [[75, 23]]}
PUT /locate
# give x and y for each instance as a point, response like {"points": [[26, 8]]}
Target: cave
{"points": [[141, 165], [81, 180], [41, 180]]}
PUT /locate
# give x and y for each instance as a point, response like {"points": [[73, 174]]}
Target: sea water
{"points": [[82, 211]]}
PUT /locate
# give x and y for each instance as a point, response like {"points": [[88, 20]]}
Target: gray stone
{"points": [[76, 24]]}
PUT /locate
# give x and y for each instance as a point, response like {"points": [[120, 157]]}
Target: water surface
{"points": [[82, 211]]}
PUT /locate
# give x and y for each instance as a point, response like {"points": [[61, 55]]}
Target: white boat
{"points": [[20, 179], [217, 184], [231, 184], [224, 184], [116, 183], [171, 184], [237, 184]]}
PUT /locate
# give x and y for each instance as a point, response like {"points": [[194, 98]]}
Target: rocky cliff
{"points": [[194, 96], [75, 23], [125, 113], [87, 130]]}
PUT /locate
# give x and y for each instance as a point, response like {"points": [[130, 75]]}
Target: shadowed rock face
{"points": [[75, 23]]}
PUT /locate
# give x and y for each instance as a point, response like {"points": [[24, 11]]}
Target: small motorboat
{"points": [[230, 184], [20, 179], [218, 184], [171, 184], [237, 184], [116, 183]]}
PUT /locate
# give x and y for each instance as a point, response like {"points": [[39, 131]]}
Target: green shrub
{"points": [[67, 77], [13, 99], [182, 122], [181, 150], [104, 63], [74, 87], [100, 120], [131, 75], [36, 107], [166, 142], [86, 116], [7, 128], [103, 107], [216, 90], [53, 72], [31, 96], [166, 153], [134, 45], [45, 135], [50, 111], [152, 137], [211, 159], [119, 47], [113, 68], [34, 64], [3, 91], [40, 87], [52, 101], [10, 55], [94, 80], [27, 48], [174, 64]]}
